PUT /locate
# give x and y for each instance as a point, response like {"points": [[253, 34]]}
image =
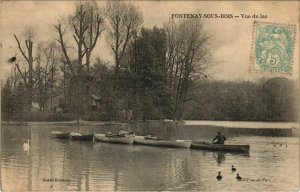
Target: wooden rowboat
{"points": [[142, 140], [128, 139], [220, 147], [79, 136], [60, 135]]}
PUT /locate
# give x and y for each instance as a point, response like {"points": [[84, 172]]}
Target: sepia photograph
{"points": [[149, 96]]}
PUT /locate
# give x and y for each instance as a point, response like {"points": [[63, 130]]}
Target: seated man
{"points": [[219, 139]]}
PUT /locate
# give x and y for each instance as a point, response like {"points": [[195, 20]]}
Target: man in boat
{"points": [[219, 139]]}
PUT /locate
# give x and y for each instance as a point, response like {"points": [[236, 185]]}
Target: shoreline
{"points": [[276, 129], [208, 123]]}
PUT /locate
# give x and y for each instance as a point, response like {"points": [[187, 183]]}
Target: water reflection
{"points": [[88, 166], [219, 156]]}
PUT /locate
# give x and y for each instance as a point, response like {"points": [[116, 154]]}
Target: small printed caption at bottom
{"points": [[55, 180], [255, 180]]}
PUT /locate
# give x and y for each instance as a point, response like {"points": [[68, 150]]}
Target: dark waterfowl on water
{"points": [[219, 177], [238, 177], [233, 168]]}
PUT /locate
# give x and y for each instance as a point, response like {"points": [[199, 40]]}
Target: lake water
{"points": [[66, 165]]}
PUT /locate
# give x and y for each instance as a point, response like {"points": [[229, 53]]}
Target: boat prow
{"points": [[79, 136], [60, 135]]}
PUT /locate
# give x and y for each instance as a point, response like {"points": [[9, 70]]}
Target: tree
{"points": [[124, 19], [46, 72], [278, 97], [96, 25], [13, 100], [86, 24], [102, 87], [261, 100], [7, 100], [151, 72], [27, 54], [143, 77], [187, 58]]}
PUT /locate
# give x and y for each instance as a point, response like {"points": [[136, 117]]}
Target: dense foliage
{"points": [[262, 100]]}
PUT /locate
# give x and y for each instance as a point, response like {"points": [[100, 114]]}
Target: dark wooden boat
{"points": [[219, 147], [153, 141], [60, 135], [81, 137]]}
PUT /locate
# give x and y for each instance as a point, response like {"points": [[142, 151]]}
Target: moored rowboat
{"points": [[219, 147], [60, 135], [79, 136], [141, 140], [114, 138]]}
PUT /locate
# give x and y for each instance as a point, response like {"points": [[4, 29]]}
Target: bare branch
{"points": [[20, 48], [20, 72], [63, 46]]}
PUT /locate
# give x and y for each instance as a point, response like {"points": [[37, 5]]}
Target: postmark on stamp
{"points": [[272, 48]]}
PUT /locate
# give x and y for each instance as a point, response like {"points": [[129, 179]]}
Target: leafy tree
{"points": [[7, 100], [262, 100], [278, 96], [102, 86], [144, 75]]}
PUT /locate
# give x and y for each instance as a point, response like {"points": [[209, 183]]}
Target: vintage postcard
{"points": [[149, 96]]}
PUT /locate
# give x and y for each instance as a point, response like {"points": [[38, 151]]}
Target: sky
{"points": [[231, 39]]}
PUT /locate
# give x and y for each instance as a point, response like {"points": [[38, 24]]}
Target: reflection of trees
{"points": [[113, 164], [48, 159], [92, 166], [149, 163], [13, 137], [156, 169], [13, 159], [79, 167], [178, 170], [118, 167]]}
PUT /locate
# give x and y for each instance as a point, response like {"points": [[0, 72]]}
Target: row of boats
{"points": [[124, 137]]}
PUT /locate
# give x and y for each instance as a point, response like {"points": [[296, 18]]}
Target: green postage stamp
{"points": [[273, 46]]}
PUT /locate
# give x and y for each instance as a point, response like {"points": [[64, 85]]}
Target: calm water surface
{"points": [[92, 166]]}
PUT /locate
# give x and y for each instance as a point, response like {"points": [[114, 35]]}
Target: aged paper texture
{"points": [[149, 96]]}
